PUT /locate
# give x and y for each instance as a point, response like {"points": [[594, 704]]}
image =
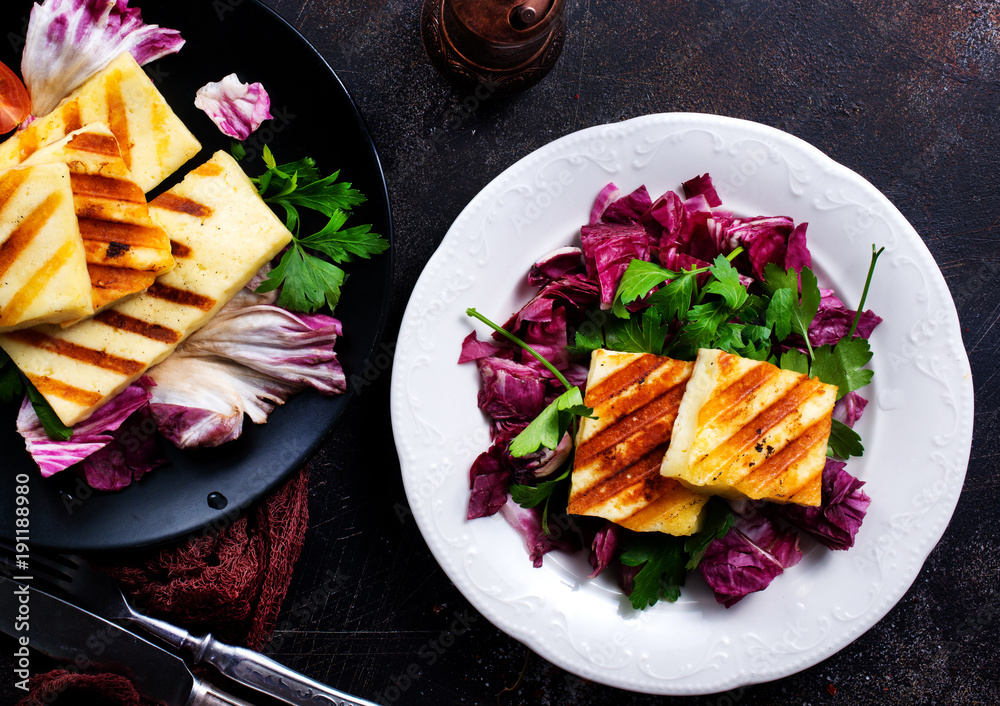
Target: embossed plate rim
{"points": [[920, 418]]}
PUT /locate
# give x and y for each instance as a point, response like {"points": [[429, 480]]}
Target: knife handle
{"points": [[264, 674], [204, 694]]}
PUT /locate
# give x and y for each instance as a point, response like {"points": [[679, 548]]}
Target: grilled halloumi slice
{"points": [[224, 233], [746, 428], [43, 266], [154, 142], [126, 248], [616, 473]]}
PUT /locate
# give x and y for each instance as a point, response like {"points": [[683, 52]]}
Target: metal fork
{"points": [[74, 579]]}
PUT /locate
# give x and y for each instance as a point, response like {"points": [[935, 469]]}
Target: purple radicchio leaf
{"points": [[510, 390], [608, 250], [251, 357], [68, 41], [751, 555], [837, 520], [604, 199], [237, 108], [528, 523], [558, 263], [603, 548], [849, 408], [489, 480], [89, 436], [765, 239], [474, 349], [133, 453], [628, 210], [834, 319], [797, 254], [702, 186]]}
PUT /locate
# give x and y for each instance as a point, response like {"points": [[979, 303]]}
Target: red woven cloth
{"points": [[229, 580]]}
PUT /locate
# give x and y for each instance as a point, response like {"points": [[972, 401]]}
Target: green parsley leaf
{"points": [[662, 559], [638, 335], [587, 343], [308, 282], [794, 360], [844, 442], [11, 382], [843, 364], [639, 279], [779, 312], [726, 283], [549, 427], [343, 245], [238, 150], [533, 495], [718, 520], [53, 426], [674, 300], [802, 310]]}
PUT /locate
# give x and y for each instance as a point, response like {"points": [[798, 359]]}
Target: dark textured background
{"points": [[905, 93]]}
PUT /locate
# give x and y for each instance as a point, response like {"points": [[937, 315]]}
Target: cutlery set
{"points": [[80, 616]]}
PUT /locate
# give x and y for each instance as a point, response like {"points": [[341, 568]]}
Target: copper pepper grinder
{"points": [[506, 45]]}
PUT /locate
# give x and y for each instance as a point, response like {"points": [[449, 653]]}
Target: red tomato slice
{"points": [[15, 105]]}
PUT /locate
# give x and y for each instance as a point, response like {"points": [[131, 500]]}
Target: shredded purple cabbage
{"points": [[834, 319], [751, 555], [528, 523], [489, 480], [849, 408], [603, 548], [837, 520], [89, 436]]}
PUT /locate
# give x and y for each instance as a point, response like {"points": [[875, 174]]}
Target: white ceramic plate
{"points": [[917, 431]]}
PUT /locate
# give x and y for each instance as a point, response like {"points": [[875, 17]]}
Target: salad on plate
{"points": [[608, 397]]}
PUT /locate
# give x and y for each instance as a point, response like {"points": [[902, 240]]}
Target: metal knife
{"points": [[70, 634]]}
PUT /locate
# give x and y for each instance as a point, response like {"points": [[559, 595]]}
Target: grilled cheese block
{"points": [[154, 142], [126, 249], [222, 233], [746, 428], [616, 473], [43, 266]]}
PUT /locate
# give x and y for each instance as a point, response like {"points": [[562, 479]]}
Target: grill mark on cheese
{"points": [[14, 311], [26, 232], [179, 250], [180, 296], [654, 414], [118, 232], [101, 187], [56, 388], [755, 432], [774, 468], [29, 142], [623, 477], [130, 324], [181, 204], [94, 143], [118, 115], [727, 403], [71, 117], [623, 378], [100, 359], [9, 185]]}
